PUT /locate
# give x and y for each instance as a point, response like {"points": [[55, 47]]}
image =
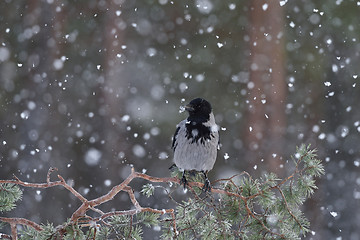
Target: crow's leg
{"points": [[183, 179], [207, 185]]}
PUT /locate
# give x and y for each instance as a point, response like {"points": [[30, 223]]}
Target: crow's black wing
{"points": [[173, 146], [219, 143]]}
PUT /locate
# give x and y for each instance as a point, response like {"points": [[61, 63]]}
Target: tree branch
{"points": [[245, 201], [92, 204], [22, 221]]}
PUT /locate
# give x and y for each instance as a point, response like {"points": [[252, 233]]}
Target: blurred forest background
{"points": [[92, 86]]}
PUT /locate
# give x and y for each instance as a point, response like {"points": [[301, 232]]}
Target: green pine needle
{"points": [[148, 190], [9, 195]]}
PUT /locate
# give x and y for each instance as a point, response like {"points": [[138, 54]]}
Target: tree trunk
{"points": [[115, 87], [267, 88]]}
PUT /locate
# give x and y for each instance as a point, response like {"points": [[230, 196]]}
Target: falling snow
{"points": [[265, 6], [139, 151], [334, 214], [282, 3], [232, 6], [92, 157], [105, 88]]}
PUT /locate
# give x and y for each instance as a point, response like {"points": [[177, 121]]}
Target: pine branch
{"points": [[239, 207]]}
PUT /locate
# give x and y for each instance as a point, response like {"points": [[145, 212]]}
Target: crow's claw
{"points": [[183, 180], [207, 186]]}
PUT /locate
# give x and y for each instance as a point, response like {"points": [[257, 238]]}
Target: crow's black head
{"points": [[199, 108]]}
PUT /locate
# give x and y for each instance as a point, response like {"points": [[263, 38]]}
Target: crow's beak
{"points": [[189, 108]]}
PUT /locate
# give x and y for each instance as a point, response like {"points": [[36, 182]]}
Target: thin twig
{"points": [[288, 209], [22, 221], [51, 169]]}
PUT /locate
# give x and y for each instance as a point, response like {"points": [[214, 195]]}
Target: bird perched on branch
{"points": [[196, 141]]}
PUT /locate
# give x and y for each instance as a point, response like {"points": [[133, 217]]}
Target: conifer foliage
{"points": [[238, 207]]}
